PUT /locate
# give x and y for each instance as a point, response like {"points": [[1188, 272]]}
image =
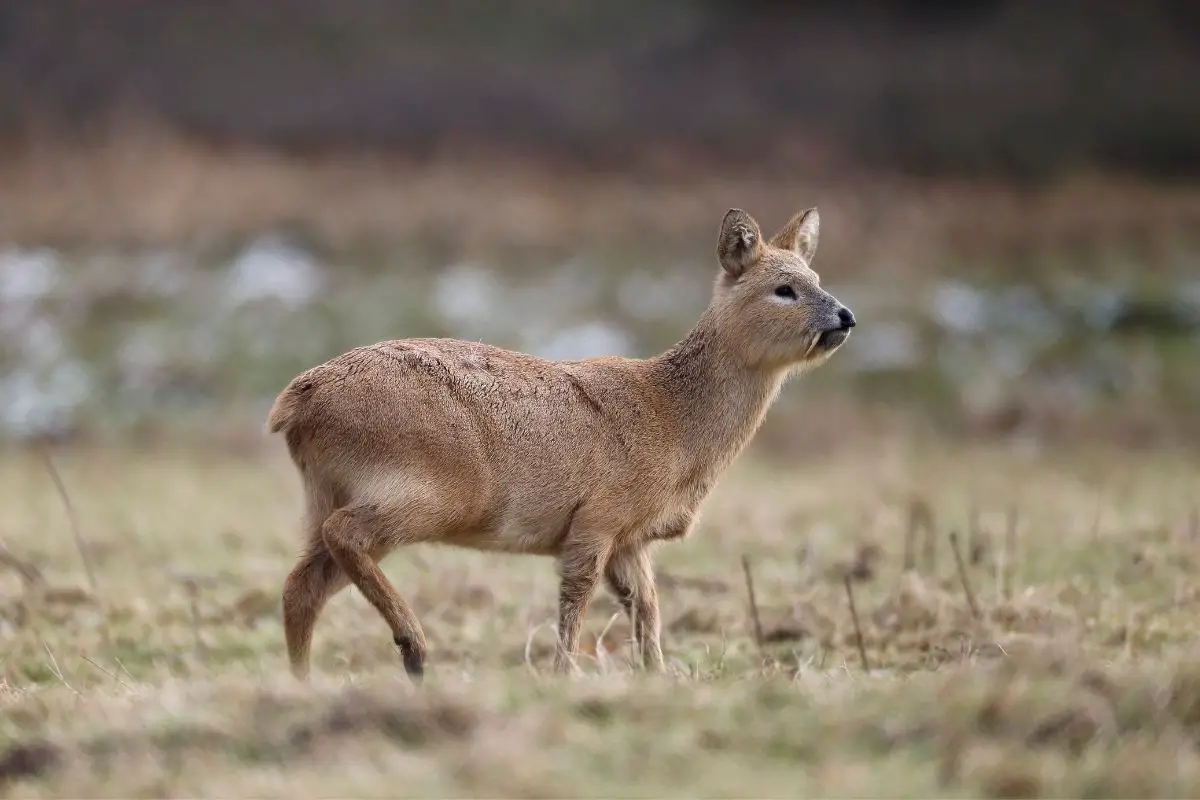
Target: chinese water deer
{"points": [[591, 461]]}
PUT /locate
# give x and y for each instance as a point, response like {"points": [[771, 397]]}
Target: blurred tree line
{"points": [[1024, 87]]}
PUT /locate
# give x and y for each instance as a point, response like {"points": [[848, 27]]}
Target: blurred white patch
{"points": [[575, 284], [42, 392], [162, 275], [27, 276], [960, 307], [1021, 309], [36, 402], [584, 341], [652, 297], [140, 355], [43, 343], [1009, 358], [883, 346], [272, 269], [1188, 299], [1101, 306], [466, 293]]}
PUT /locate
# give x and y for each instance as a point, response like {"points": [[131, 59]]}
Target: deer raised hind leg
{"points": [[355, 536]]}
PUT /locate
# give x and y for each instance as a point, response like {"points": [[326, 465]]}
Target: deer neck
{"points": [[719, 400]]}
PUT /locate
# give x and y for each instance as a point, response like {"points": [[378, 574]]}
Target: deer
{"points": [[592, 462]]}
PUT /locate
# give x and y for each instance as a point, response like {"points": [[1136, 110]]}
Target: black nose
{"points": [[847, 317]]}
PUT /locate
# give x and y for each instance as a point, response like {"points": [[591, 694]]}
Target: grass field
{"points": [[1075, 674], [142, 652]]}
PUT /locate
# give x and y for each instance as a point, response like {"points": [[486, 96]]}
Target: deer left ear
{"points": [[800, 234], [740, 243]]}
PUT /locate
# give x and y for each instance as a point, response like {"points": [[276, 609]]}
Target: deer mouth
{"points": [[832, 338]]}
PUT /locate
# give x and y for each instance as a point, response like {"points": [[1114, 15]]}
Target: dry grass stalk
{"points": [[1010, 553], [107, 672], [31, 576], [80, 542], [858, 637], [963, 577], [977, 538], [601, 648], [929, 552], [1099, 512], [57, 671], [910, 536], [758, 630], [192, 588], [950, 764], [529, 646]]}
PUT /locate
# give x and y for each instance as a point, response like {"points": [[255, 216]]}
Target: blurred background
{"points": [[199, 200]]}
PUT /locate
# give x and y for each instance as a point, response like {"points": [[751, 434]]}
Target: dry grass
{"points": [[169, 678], [141, 185]]}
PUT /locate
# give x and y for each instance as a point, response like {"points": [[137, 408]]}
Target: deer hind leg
{"points": [[357, 536], [629, 575], [310, 585]]}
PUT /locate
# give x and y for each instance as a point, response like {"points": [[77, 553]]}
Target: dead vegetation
{"points": [[1041, 721], [1047, 650], [139, 184]]}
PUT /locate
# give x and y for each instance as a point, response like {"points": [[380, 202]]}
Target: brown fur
{"points": [[590, 461]]}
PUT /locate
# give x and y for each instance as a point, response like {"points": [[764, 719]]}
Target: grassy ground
{"points": [[1077, 677]]}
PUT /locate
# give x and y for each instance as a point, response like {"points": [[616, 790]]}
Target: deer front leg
{"points": [[630, 576], [581, 565]]}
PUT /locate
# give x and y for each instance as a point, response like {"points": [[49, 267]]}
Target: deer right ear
{"points": [[800, 234], [740, 244]]}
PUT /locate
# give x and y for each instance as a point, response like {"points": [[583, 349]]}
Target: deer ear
{"points": [[740, 244], [800, 234]]}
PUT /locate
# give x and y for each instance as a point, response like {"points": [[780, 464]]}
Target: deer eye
{"points": [[785, 291]]}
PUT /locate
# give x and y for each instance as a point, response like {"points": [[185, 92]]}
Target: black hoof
{"points": [[414, 662]]}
